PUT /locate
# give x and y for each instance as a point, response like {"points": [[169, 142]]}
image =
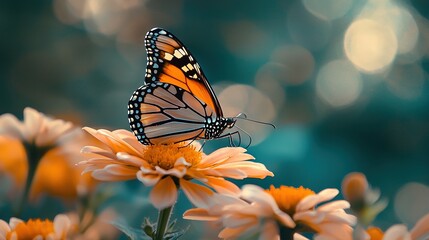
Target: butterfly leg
{"points": [[229, 135]]}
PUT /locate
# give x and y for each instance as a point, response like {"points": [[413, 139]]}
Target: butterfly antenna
{"points": [[250, 137], [244, 117]]}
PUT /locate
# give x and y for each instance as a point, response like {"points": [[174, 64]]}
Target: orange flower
{"points": [[35, 228], [57, 145], [36, 128], [259, 211], [13, 159], [167, 167], [364, 200]]}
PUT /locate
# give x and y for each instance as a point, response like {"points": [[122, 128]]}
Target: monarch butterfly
{"points": [[177, 103]]}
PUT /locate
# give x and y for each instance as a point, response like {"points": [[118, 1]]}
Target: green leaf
{"points": [[176, 234], [132, 233]]}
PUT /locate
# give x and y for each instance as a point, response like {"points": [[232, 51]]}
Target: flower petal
{"points": [[298, 236], [421, 228], [148, 179], [312, 200], [164, 193], [200, 214], [62, 225], [4, 229], [270, 231], [13, 222], [398, 231], [197, 194], [223, 186], [11, 126], [340, 204]]}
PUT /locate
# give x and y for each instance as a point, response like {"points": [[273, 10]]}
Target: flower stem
{"points": [[163, 219], [286, 233], [34, 155]]}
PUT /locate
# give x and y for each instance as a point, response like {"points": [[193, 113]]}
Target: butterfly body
{"points": [[162, 113]]}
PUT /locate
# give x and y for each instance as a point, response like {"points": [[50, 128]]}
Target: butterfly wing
{"points": [[161, 113], [170, 62]]}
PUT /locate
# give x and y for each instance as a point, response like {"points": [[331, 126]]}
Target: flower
{"points": [[168, 167], [36, 128], [364, 200], [35, 228], [295, 210], [53, 166], [420, 231], [13, 159]]}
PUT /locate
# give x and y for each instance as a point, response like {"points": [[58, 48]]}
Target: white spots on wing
{"points": [[168, 56], [190, 66], [162, 32], [177, 54], [185, 69], [182, 51], [197, 67]]}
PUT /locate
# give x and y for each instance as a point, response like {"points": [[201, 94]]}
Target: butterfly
{"points": [[176, 103]]}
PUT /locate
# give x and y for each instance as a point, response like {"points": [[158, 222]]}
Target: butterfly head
{"points": [[230, 122]]}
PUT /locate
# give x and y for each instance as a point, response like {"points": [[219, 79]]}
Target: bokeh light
{"points": [[297, 63], [396, 17], [240, 98], [241, 37], [406, 81], [370, 45], [338, 83], [328, 10], [267, 81], [307, 29], [411, 202]]}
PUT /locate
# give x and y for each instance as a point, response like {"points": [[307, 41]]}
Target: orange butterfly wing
{"points": [[170, 62]]}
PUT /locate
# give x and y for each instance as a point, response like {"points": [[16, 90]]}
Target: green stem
{"points": [[34, 154], [286, 233], [163, 218]]}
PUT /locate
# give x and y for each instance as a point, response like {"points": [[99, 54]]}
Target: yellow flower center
{"points": [[288, 197], [375, 233], [33, 228], [165, 156]]}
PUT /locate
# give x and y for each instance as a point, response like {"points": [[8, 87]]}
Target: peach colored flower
{"points": [[420, 231], [56, 173], [168, 167], [364, 200], [36, 128], [267, 213], [35, 229]]}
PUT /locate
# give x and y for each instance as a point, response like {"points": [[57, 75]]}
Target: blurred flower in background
{"points": [[58, 229], [276, 213]]}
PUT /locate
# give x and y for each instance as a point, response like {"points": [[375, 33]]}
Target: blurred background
{"points": [[344, 81]]}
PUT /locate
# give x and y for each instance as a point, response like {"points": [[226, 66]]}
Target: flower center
{"points": [[33, 228], [288, 197], [165, 156], [375, 233]]}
